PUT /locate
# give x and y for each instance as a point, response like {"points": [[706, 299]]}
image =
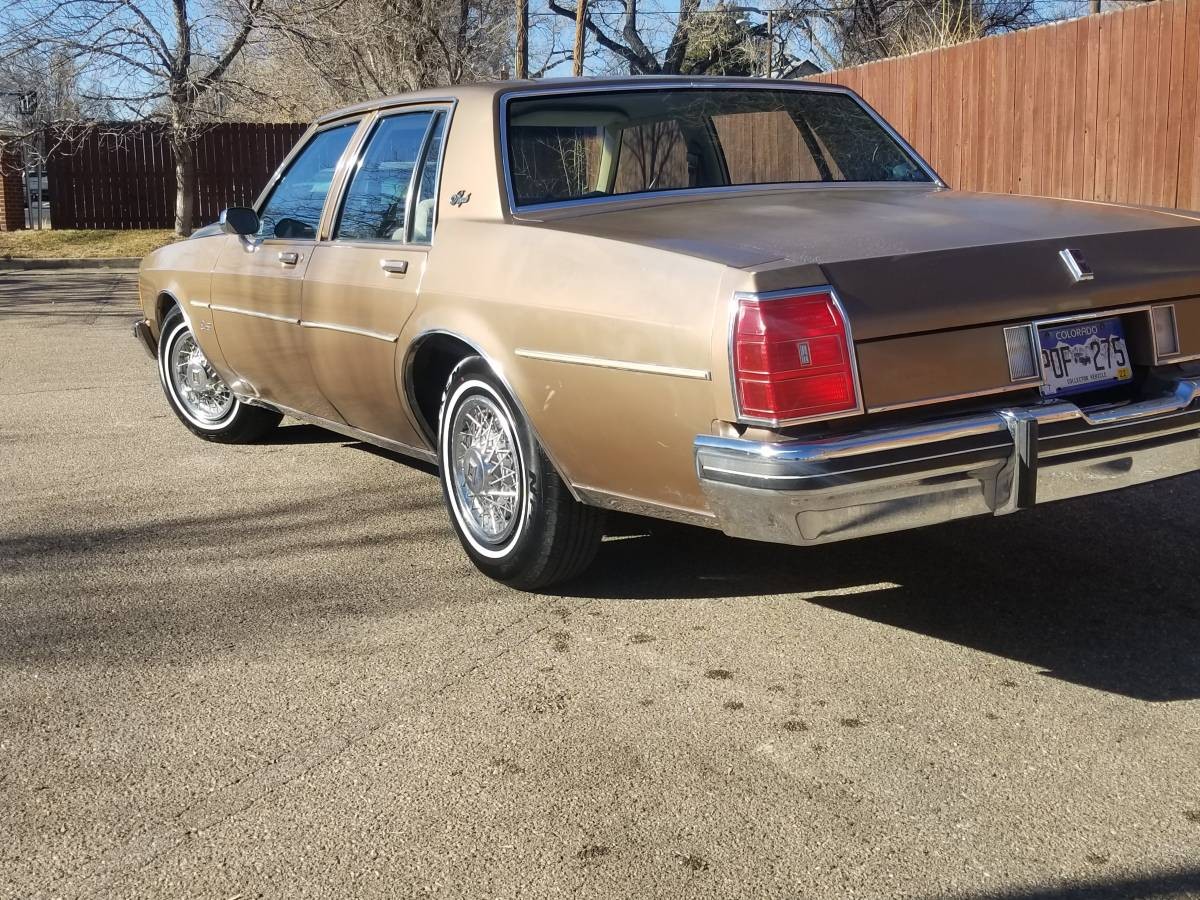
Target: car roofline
{"points": [[566, 85]]}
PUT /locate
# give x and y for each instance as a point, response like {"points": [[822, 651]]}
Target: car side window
{"points": [[376, 202], [425, 209], [293, 209]]}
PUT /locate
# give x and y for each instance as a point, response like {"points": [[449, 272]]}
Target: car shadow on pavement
{"points": [[1100, 592], [1177, 883]]}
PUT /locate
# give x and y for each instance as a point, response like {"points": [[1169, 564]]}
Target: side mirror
{"points": [[239, 220]]}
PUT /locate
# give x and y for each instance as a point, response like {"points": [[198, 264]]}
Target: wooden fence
{"points": [[123, 176], [1099, 108]]}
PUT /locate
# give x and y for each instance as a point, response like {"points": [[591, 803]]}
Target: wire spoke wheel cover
{"points": [[485, 470], [194, 383]]}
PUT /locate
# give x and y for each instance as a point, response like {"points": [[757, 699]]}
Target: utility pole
{"points": [[580, 19], [770, 41], [1096, 6], [522, 39]]}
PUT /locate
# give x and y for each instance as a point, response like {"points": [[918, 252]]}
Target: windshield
{"points": [[603, 144]]}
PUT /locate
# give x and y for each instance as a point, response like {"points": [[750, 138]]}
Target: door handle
{"points": [[289, 257], [394, 266]]}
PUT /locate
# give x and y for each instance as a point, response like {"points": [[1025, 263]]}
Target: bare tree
{"points": [[866, 30], [165, 60], [732, 37], [728, 38], [341, 51], [614, 26]]}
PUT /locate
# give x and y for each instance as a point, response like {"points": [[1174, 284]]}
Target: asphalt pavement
{"points": [[270, 671]]}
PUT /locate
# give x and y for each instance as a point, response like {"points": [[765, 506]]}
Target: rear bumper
{"points": [[995, 462], [141, 331]]}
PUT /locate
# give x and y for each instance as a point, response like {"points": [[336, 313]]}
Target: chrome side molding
{"points": [[621, 364], [253, 313], [350, 329]]}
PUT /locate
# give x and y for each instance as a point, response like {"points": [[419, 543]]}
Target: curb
{"points": [[109, 262]]}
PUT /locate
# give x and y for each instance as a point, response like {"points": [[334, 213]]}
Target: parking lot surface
{"points": [[270, 671]]}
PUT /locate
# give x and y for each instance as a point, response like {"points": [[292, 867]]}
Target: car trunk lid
{"points": [[907, 259]]}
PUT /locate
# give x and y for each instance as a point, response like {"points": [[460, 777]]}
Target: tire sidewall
{"points": [[507, 560], [174, 327]]}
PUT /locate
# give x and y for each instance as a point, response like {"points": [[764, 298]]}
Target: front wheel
{"points": [[512, 512], [198, 396]]}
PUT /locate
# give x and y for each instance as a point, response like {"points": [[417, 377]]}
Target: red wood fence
{"points": [[1099, 108], [123, 176]]}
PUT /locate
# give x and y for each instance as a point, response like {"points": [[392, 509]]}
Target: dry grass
{"points": [[79, 244]]}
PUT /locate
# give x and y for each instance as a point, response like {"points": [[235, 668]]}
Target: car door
{"points": [[256, 286], [361, 285]]}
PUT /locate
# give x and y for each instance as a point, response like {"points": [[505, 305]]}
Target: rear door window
{"points": [[377, 200], [425, 208]]}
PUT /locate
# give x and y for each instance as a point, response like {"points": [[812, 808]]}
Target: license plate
{"points": [[1083, 356]]}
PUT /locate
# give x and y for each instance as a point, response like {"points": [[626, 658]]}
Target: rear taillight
{"points": [[792, 358]]}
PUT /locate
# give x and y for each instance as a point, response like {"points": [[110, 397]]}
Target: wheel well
{"points": [[429, 369], [162, 306]]}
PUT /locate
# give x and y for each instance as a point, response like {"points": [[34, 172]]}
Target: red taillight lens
{"points": [[791, 358]]}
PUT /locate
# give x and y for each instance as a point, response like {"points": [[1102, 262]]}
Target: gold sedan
{"points": [[746, 305]]}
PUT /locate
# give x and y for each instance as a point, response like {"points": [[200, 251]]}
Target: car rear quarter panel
{"points": [[513, 291]]}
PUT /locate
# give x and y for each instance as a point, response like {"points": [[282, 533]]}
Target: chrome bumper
{"points": [[995, 462], [141, 331]]}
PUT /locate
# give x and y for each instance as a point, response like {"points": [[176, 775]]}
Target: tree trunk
{"points": [[581, 15], [185, 185], [522, 39]]}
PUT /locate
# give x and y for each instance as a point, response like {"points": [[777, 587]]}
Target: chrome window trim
{"points": [[618, 364], [735, 300], [745, 189], [384, 105], [658, 84], [350, 329]]}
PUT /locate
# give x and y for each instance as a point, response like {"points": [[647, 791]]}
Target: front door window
{"points": [[293, 209]]}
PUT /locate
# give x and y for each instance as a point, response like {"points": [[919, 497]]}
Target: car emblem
{"points": [[461, 198], [1076, 264]]}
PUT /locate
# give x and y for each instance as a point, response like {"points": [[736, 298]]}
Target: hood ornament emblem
{"points": [[1076, 265]]}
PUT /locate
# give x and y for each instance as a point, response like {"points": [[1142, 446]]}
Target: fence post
{"points": [[12, 192]]}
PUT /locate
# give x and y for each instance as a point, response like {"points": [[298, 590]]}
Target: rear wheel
{"points": [[198, 396], [514, 515]]}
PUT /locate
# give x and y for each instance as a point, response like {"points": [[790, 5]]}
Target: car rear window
{"points": [[575, 146]]}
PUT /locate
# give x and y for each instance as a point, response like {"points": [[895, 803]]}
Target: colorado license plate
{"points": [[1083, 356]]}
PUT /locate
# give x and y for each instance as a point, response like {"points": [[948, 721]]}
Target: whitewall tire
{"points": [[513, 514]]}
